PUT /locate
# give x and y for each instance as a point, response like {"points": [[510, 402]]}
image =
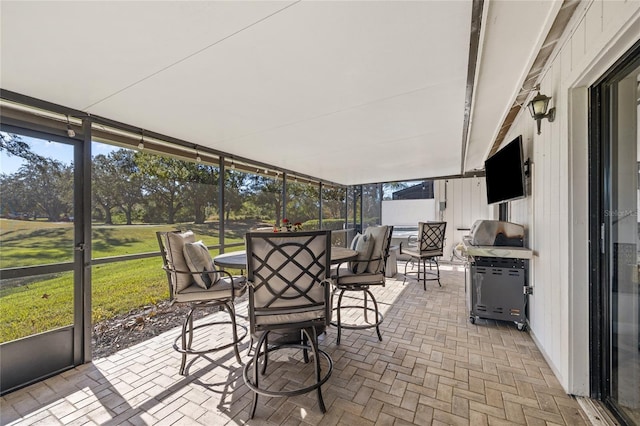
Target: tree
{"points": [[14, 196], [235, 187], [333, 202], [14, 145], [105, 194], [201, 188], [41, 186], [303, 199], [48, 187], [371, 206], [129, 182], [165, 179], [268, 196]]}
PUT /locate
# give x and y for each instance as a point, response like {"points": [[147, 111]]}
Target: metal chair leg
{"points": [[375, 309], [339, 321], [256, 357], [314, 350], [366, 305], [232, 313], [305, 351], [187, 331], [266, 353], [405, 270]]}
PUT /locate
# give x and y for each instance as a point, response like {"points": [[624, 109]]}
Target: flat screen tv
{"points": [[504, 173]]}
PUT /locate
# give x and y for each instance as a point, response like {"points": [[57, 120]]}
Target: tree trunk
{"points": [[199, 216], [278, 206], [107, 215], [128, 214]]}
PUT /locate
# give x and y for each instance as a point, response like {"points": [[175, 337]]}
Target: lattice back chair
{"points": [[288, 275], [429, 247], [194, 281], [360, 274]]}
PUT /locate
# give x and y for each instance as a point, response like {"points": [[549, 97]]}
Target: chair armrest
{"points": [[221, 273], [372, 259], [213, 271], [412, 242]]}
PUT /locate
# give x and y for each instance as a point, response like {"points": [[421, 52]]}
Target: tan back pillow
{"points": [[199, 260], [175, 255], [364, 246]]}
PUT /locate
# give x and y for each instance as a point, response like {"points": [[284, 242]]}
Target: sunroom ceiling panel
{"points": [[294, 84], [77, 53]]}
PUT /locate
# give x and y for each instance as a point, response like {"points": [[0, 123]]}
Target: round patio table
{"points": [[238, 259]]}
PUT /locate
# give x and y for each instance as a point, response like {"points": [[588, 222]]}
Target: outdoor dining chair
{"points": [[360, 274], [288, 278], [428, 248], [194, 281]]}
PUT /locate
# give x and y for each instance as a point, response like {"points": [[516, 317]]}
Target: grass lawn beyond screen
{"points": [[37, 304]]}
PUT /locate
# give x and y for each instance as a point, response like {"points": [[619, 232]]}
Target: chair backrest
{"points": [[381, 243], [431, 237], [171, 249], [288, 275]]}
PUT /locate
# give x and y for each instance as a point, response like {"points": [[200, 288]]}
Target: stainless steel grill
{"points": [[497, 276]]}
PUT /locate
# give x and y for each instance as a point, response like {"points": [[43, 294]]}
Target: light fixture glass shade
{"points": [[538, 106]]}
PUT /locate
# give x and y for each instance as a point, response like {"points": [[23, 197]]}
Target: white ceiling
{"points": [[347, 91]]}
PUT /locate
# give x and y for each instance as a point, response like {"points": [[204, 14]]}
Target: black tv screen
{"points": [[504, 173]]}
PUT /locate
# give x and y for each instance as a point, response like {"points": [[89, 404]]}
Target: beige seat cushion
{"points": [[414, 252], [291, 317], [220, 291], [348, 278]]}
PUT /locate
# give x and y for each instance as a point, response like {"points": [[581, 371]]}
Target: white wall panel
{"points": [[577, 45], [408, 212], [466, 202], [593, 23], [558, 307]]}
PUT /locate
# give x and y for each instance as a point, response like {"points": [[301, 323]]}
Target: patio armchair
{"points": [[428, 247], [288, 278], [194, 281], [360, 274]]}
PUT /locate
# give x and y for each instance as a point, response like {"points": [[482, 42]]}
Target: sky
{"points": [[54, 150], [64, 153]]}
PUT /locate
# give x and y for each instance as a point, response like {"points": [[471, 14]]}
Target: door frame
{"points": [[600, 198], [36, 357]]}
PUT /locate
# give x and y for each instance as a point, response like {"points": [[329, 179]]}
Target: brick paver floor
{"points": [[432, 367]]}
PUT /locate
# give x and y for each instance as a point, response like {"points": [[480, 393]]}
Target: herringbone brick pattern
{"points": [[432, 367]]}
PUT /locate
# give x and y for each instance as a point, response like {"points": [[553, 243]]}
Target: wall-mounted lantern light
{"points": [[538, 109]]}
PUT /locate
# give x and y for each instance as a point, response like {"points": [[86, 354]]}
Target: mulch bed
{"points": [[123, 331]]}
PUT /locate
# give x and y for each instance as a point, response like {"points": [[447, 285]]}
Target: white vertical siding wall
{"points": [[466, 202], [408, 212], [555, 213]]}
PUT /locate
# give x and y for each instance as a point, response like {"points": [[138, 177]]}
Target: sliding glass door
{"points": [[616, 313]]}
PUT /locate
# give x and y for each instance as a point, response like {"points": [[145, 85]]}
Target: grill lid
{"points": [[497, 233]]}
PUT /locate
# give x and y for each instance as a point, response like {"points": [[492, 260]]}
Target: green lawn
{"points": [[42, 303]]}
